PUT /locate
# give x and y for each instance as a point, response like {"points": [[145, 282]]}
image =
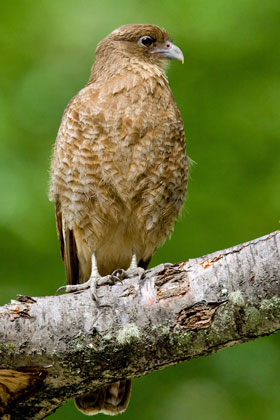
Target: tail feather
{"points": [[111, 399]]}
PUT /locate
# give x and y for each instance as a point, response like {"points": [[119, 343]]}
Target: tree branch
{"points": [[57, 347]]}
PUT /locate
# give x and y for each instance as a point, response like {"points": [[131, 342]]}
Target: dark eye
{"points": [[146, 40]]}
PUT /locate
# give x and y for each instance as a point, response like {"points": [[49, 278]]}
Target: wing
{"points": [[67, 247], [65, 173]]}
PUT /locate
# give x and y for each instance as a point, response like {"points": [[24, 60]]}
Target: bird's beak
{"points": [[169, 50]]}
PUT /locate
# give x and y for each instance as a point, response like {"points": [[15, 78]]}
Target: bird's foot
{"points": [[96, 280], [119, 275], [72, 288], [133, 270], [93, 282]]}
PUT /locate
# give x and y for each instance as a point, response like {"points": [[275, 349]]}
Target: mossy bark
{"points": [[54, 348]]}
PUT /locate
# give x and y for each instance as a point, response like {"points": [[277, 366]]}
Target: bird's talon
{"points": [[97, 300], [60, 289], [119, 274], [113, 280]]}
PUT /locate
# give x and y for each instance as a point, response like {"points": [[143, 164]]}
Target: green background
{"points": [[229, 94]]}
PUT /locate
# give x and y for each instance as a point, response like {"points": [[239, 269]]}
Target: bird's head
{"points": [[147, 42]]}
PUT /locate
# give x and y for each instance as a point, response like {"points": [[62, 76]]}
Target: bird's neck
{"points": [[105, 69]]}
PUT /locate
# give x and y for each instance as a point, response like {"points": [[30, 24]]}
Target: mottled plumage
{"points": [[119, 168]]}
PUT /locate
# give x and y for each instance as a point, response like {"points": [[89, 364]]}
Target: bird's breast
{"points": [[120, 167]]}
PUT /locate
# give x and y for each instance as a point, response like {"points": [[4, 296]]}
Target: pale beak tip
{"points": [[177, 54]]}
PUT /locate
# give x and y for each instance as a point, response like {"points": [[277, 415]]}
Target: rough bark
{"points": [[57, 347]]}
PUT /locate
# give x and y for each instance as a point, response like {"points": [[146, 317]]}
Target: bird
{"points": [[119, 171]]}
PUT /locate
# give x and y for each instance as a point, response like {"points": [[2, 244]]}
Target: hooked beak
{"points": [[169, 50]]}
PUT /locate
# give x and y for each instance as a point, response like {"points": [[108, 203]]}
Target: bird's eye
{"points": [[146, 41]]}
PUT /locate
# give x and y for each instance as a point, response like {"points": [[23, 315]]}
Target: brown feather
{"points": [[68, 248], [70, 258], [58, 217]]}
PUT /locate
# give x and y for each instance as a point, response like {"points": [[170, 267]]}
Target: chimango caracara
{"points": [[119, 170]]}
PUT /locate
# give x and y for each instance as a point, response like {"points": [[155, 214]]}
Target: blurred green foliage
{"points": [[229, 95]]}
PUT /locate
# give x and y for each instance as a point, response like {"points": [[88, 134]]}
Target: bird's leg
{"points": [[91, 283], [133, 269], [133, 264]]}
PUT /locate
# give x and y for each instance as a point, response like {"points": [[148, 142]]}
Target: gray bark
{"points": [[57, 347]]}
